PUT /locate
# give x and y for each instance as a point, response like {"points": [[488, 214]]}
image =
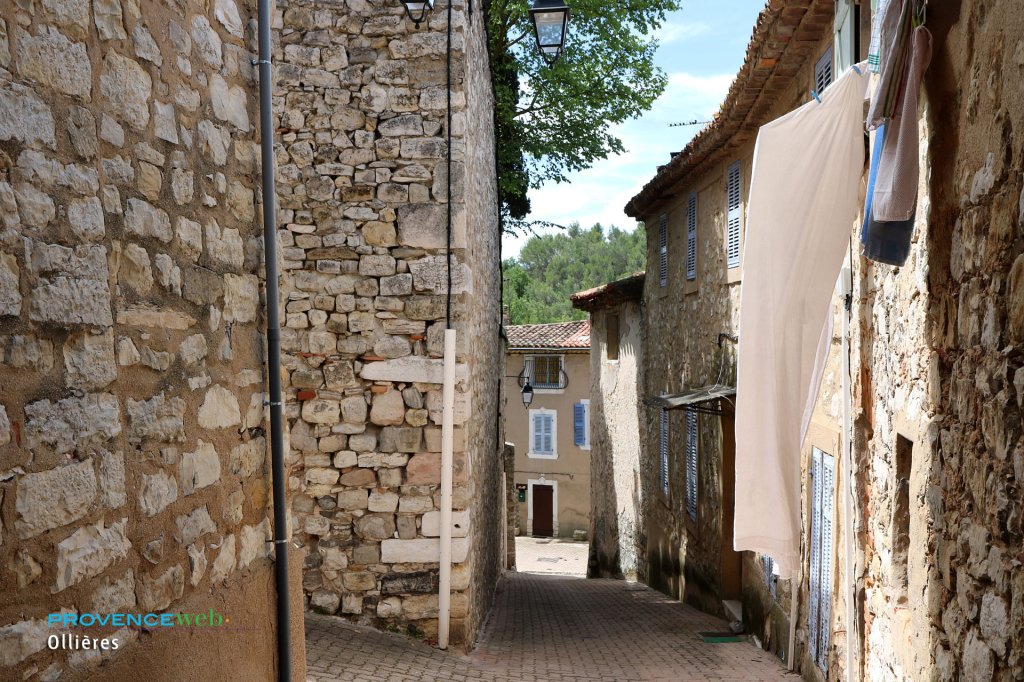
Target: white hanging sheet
{"points": [[804, 197]]}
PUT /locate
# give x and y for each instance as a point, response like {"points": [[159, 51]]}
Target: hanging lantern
{"points": [[550, 22], [417, 9], [527, 394]]}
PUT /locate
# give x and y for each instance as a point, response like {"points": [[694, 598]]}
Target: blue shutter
{"points": [[663, 250], [663, 469], [814, 577], [823, 71], [549, 436], [538, 433], [734, 215], [579, 433], [691, 237], [827, 509], [691, 465]]}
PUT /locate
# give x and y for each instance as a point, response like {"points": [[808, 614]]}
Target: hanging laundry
{"points": [[883, 242], [875, 46], [894, 37], [803, 200], [896, 189]]}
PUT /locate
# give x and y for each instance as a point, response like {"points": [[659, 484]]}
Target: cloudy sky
{"points": [[701, 48]]}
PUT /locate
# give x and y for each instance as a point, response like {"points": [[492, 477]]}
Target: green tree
{"points": [[552, 120], [551, 267]]}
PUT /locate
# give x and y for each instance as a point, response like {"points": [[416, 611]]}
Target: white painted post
{"points": [[444, 597]]}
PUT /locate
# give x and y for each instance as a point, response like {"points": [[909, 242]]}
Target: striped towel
{"points": [[875, 47]]}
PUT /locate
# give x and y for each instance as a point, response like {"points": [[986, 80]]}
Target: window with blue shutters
{"points": [[823, 71], [543, 434], [691, 237], [734, 215], [819, 618], [691, 465], [581, 424], [663, 250], [663, 450]]}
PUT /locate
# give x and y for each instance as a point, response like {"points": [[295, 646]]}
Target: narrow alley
{"points": [[549, 627]]}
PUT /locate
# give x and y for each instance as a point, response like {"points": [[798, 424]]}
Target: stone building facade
{"points": [[364, 222], [935, 374], [133, 460], [616, 505]]}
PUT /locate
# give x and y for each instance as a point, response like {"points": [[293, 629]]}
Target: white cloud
{"points": [[679, 32], [599, 194]]}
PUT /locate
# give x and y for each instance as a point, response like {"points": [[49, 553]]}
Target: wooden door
{"points": [[543, 511]]}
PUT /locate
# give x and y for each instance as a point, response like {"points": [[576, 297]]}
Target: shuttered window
{"points": [[770, 579], [823, 71], [544, 371], [543, 433], [611, 341], [581, 424], [691, 465], [691, 237], [734, 215], [819, 617], [663, 449], [663, 250]]}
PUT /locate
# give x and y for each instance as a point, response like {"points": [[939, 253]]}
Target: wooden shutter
{"points": [[548, 422], [691, 465], [663, 250], [814, 575], [663, 471], [827, 511], [538, 432], [528, 375], [611, 341], [579, 425], [691, 237], [823, 71], [733, 190]]}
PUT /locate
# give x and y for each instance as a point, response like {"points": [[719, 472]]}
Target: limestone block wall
{"points": [[362, 106], [132, 439]]}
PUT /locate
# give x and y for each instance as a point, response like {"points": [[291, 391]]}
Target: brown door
{"points": [[543, 511]]}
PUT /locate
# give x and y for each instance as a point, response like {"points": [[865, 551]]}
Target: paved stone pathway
{"points": [[549, 628], [551, 556]]}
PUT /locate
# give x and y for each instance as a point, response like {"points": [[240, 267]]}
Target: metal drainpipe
{"points": [[284, 660]]}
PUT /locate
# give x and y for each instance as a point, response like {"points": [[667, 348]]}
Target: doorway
{"points": [[543, 510]]}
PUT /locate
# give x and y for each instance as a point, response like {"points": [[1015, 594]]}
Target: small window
{"points": [[691, 237], [663, 449], [543, 434], [823, 71], [819, 617], [581, 424], [734, 214], [691, 465], [771, 580], [545, 371], [663, 250], [611, 342]]}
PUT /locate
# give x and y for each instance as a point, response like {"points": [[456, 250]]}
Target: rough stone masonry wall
{"points": [[132, 449], [975, 318], [361, 104]]}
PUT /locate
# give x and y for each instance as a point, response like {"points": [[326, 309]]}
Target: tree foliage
{"points": [[551, 267], [552, 120]]}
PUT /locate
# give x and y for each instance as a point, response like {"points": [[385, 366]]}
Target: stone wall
{"points": [[133, 467], [616, 519], [361, 104], [954, 393]]}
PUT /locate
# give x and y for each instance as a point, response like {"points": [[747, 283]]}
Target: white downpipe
{"points": [[846, 285], [444, 596], [794, 611]]}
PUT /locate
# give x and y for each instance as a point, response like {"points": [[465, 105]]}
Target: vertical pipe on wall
{"points": [[284, 661], [846, 285], [447, 458]]}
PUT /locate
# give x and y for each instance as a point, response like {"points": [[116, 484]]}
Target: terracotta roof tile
{"points": [[626, 289], [784, 32], [568, 335]]}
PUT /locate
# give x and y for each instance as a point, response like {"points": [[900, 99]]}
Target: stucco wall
{"points": [[616, 503], [571, 469], [132, 440]]}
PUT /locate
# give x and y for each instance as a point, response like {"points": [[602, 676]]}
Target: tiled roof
{"points": [[566, 335], [785, 33], [626, 289]]}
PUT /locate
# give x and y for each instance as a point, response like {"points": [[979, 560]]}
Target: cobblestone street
{"points": [[546, 627]]}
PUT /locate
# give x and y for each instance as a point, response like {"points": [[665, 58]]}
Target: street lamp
{"points": [[550, 19], [527, 394], [417, 9]]}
